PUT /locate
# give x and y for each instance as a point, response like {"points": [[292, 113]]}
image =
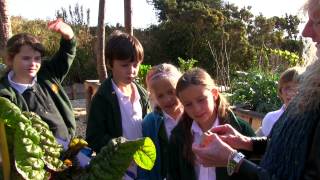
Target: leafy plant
{"points": [[35, 149], [114, 158], [256, 89], [143, 70], [185, 65], [36, 153]]}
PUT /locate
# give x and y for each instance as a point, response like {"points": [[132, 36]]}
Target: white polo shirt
{"points": [[203, 173], [270, 119], [169, 123], [131, 113], [18, 86], [131, 120]]}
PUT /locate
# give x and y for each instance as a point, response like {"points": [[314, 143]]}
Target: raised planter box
{"points": [[91, 87], [252, 117]]}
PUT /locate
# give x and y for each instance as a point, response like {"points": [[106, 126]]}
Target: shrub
{"points": [[256, 89], [143, 70], [185, 65]]}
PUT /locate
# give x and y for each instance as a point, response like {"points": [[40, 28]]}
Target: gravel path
{"points": [[79, 106]]}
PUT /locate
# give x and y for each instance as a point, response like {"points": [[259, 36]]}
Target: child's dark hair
{"points": [[122, 46], [15, 43], [198, 76]]}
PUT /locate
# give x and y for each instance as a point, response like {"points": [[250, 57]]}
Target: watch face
{"points": [[238, 157], [233, 162]]}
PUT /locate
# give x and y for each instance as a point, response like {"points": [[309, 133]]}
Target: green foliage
{"points": [[256, 89], [162, 7], [278, 60], [188, 27], [185, 65], [35, 149], [289, 23], [143, 70], [291, 58]]}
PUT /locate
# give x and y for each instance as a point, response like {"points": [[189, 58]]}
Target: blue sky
{"points": [[142, 14]]}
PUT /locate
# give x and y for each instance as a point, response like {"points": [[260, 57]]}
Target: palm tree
{"points": [[101, 68], [5, 25], [127, 17], [5, 34]]}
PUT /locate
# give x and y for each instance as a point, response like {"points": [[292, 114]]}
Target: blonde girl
{"points": [[161, 82], [204, 108]]}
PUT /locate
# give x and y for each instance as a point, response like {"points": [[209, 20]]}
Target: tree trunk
{"points": [[127, 17], [5, 26], [101, 65]]}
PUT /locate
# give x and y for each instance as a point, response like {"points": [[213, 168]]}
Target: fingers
{"points": [[231, 140], [206, 143], [55, 21], [212, 155], [206, 138], [196, 148], [55, 25], [222, 129], [200, 154], [61, 27]]}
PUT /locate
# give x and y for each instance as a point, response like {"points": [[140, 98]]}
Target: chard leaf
{"points": [[145, 156]]}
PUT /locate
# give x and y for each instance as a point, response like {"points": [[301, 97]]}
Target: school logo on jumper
{"points": [[55, 88]]}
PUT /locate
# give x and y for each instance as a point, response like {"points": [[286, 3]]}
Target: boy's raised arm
{"points": [[61, 27]]}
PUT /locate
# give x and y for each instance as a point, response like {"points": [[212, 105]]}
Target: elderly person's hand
{"points": [[232, 137], [215, 153], [61, 27]]}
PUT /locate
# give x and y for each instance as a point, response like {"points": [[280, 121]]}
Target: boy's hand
{"points": [[61, 27]]}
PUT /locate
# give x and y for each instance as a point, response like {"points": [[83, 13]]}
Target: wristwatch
{"points": [[233, 161]]}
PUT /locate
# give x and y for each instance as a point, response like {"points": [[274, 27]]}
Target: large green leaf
{"points": [[145, 157], [115, 158]]}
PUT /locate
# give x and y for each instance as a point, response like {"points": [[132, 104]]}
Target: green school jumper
{"points": [[104, 119], [49, 95]]}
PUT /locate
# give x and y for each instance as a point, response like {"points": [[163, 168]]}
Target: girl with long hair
{"points": [[204, 108]]}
